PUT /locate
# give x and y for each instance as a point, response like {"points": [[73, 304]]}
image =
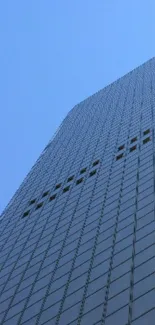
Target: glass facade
{"points": [[77, 240]]}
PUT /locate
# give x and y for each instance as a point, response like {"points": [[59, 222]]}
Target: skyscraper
{"points": [[77, 241]]}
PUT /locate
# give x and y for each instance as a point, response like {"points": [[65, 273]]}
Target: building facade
{"points": [[77, 240]]}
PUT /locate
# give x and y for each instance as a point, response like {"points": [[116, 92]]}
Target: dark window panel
{"points": [[26, 213]]}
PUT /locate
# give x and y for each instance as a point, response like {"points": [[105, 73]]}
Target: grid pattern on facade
{"points": [[77, 242]]}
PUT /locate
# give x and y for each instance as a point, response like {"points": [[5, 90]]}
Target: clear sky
{"points": [[53, 54]]}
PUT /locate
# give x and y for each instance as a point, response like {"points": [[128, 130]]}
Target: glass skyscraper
{"points": [[77, 240]]}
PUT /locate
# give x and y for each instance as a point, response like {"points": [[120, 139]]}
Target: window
{"points": [[26, 214], [96, 162], [83, 170], [133, 148], [119, 156], [32, 201], [66, 189], [121, 147], [70, 178], [39, 205], [146, 132], [133, 139], [92, 173], [146, 140], [45, 194], [80, 180], [58, 186], [52, 197]]}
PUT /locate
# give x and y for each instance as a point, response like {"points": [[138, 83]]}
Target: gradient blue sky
{"points": [[53, 55]]}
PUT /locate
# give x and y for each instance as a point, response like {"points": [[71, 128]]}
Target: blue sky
{"points": [[53, 54]]}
